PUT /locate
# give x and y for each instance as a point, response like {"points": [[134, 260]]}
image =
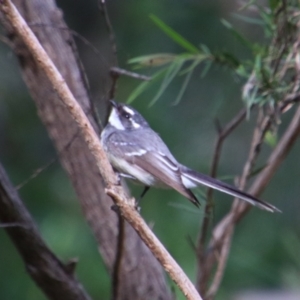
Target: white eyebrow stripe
{"points": [[128, 110]]}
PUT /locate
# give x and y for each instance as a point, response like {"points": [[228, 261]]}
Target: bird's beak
{"points": [[113, 103]]}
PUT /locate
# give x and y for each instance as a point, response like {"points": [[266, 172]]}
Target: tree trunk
{"points": [[141, 275]]}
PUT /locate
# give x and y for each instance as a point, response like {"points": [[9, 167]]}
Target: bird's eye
{"points": [[127, 116]]}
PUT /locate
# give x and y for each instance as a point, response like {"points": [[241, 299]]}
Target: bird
{"points": [[138, 153]]}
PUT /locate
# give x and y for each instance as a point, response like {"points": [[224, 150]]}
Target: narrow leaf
{"points": [[206, 68], [197, 61], [172, 71], [248, 19], [176, 37], [237, 35], [183, 87], [153, 60], [144, 85]]}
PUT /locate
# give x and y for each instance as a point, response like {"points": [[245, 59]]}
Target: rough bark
{"points": [[51, 275], [142, 276]]}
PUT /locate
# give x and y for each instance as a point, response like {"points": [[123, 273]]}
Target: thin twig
{"points": [[220, 269], [121, 224], [118, 260], [116, 71], [125, 204], [84, 77], [112, 39], [86, 42], [36, 173], [12, 224], [72, 32], [49, 273], [6, 41], [266, 124], [257, 139], [225, 227], [222, 134], [45, 166]]}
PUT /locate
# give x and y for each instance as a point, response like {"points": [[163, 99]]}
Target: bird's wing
{"points": [[147, 157], [168, 172]]}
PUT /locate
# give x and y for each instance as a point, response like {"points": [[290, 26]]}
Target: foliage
{"points": [[269, 71], [24, 145]]}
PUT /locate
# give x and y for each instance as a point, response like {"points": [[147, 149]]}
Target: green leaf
{"points": [[274, 4], [184, 86], [237, 35], [172, 71], [205, 49], [153, 59], [176, 37], [248, 19], [271, 139], [206, 68], [227, 59], [241, 71], [268, 22], [137, 91], [197, 60], [247, 4], [257, 66], [144, 85]]}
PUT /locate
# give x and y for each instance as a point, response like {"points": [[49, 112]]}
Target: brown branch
{"points": [[225, 228], [126, 205], [74, 33], [116, 276], [222, 134], [49, 273], [60, 87], [6, 225], [257, 139], [147, 279], [116, 71], [45, 166], [220, 268], [132, 216], [36, 173], [112, 39], [278, 155]]}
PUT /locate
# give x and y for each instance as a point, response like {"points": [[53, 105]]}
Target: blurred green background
{"points": [[265, 246]]}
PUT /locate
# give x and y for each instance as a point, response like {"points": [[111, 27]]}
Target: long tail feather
{"points": [[196, 178]]}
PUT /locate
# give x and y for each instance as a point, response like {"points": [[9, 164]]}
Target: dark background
{"points": [[265, 246]]}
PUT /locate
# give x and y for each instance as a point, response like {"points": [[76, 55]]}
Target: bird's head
{"points": [[124, 117]]}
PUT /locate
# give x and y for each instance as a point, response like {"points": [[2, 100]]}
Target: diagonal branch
{"points": [[225, 227], [147, 279], [49, 273], [116, 274], [262, 125], [126, 205], [222, 134]]}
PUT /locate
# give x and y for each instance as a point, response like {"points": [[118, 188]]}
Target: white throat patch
{"points": [[114, 120]]}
